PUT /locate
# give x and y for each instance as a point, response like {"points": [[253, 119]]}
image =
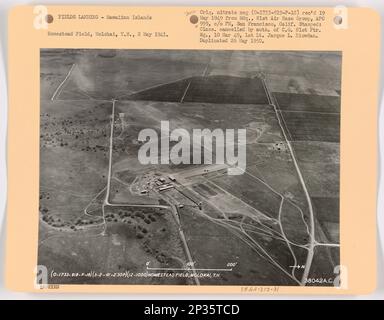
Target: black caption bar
{"points": [[179, 309]]}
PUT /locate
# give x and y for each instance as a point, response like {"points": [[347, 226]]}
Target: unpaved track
{"points": [[311, 246]]}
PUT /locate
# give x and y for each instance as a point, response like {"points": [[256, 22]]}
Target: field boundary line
{"points": [[56, 93], [185, 92], [121, 98], [315, 112]]}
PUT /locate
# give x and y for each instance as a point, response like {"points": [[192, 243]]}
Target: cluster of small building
{"points": [[162, 184]]}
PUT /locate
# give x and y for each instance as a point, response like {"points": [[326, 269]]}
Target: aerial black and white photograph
{"points": [[189, 167]]}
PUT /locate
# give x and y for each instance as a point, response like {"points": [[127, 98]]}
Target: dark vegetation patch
{"points": [[313, 126], [307, 102]]}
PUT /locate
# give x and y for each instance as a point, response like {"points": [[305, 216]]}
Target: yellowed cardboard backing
{"points": [[359, 44]]}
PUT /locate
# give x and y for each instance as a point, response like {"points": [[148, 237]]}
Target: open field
{"points": [[312, 126], [320, 157], [227, 89], [102, 210], [307, 102]]}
